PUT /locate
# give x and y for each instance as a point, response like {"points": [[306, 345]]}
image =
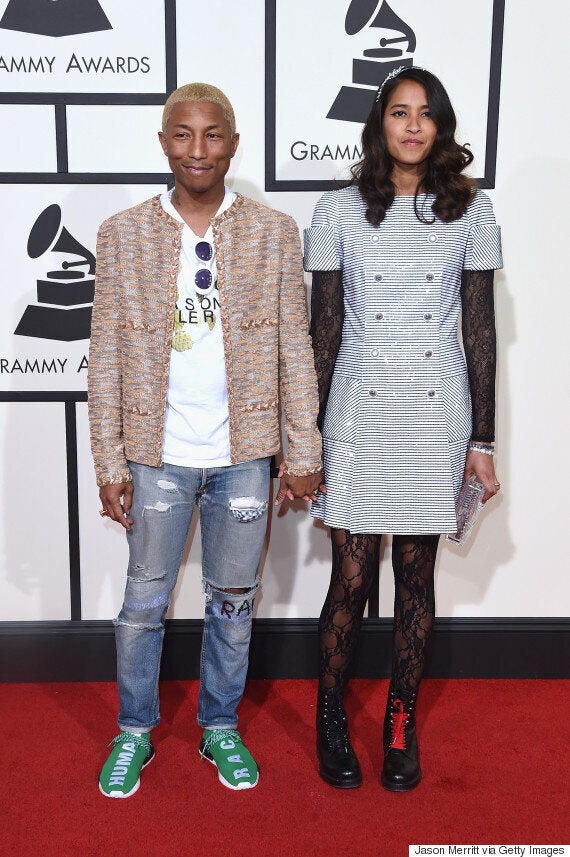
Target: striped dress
{"points": [[398, 417]]}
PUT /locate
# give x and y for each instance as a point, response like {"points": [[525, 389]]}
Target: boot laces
{"points": [[398, 718], [336, 727], [337, 734]]}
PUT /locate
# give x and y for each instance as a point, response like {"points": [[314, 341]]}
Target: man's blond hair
{"points": [[199, 92]]}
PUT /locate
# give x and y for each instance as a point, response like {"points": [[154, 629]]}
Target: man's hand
{"points": [[299, 487], [111, 502]]}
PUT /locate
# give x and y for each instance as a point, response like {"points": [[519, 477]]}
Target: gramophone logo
{"points": [[65, 296], [55, 17], [324, 64], [353, 103]]}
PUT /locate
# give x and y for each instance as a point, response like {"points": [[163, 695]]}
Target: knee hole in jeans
{"points": [[167, 485], [247, 509], [233, 603], [143, 574]]}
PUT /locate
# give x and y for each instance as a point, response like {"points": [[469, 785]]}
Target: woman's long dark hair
{"points": [[445, 164]]}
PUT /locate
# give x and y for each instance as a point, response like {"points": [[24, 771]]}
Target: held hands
{"points": [[111, 505], [481, 466], [299, 487]]}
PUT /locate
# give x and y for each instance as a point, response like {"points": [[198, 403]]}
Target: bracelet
{"points": [[485, 448]]}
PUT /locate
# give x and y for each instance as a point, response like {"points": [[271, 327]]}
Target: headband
{"points": [[393, 74]]}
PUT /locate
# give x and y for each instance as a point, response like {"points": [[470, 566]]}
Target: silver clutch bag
{"points": [[468, 507]]}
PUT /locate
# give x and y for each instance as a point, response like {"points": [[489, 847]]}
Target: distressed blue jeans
{"points": [[233, 505]]}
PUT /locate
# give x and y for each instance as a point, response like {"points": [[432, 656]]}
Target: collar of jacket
{"points": [[229, 213]]}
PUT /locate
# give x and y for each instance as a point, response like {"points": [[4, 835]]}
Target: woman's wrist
{"points": [[485, 446]]}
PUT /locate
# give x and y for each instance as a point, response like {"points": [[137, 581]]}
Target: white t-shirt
{"points": [[197, 418]]}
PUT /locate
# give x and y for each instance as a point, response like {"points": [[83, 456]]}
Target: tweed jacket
{"points": [[268, 354]]}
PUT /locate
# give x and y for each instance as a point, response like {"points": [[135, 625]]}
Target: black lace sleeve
{"points": [[327, 316], [479, 342]]}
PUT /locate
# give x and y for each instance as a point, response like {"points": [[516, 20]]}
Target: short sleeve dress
{"points": [[398, 417]]}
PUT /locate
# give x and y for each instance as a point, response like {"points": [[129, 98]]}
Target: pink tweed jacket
{"points": [[269, 360]]}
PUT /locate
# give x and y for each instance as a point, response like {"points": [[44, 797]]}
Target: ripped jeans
{"points": [[233, 505]]}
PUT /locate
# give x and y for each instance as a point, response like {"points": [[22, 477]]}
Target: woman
{"points": [[405, 416]]}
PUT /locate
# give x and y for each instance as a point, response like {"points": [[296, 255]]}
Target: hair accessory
{"points": [[394, 73]]}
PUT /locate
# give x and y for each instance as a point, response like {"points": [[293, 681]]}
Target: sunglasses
{"points": [[203, 277]]}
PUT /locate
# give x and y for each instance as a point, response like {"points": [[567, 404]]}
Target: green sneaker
{"points": [[237, 769], [120, 775]]}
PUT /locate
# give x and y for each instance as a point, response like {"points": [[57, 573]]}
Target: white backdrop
{"points": [[515, 563]]}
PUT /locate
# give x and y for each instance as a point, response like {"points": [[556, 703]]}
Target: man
{"points": [[199, 334]]}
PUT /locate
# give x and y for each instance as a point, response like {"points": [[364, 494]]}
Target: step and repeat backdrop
{"points": [[82, 84]]}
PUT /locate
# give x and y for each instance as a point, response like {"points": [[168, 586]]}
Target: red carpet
{"points": [[494, 754]]}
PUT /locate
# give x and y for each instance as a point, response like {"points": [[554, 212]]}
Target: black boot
{"points": [[338, 765], [401, 771]]}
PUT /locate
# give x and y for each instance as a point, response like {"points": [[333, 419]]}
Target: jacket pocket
{"points": [[457, 406], [258, 323], [138, 326], [342, 407]]}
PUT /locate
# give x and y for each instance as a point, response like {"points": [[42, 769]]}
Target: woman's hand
{"points": [[481, 466], [299, 487]]}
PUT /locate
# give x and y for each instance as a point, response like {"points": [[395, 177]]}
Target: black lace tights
{"points": [[355, 563]]}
